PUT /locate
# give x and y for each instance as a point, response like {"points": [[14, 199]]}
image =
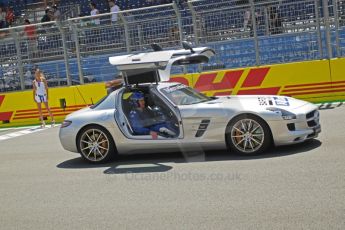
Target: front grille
{"points": [[310, 114], [311, 123], [312, 118]]}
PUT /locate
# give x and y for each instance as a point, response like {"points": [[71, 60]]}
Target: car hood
{"points": [[254, 102]]}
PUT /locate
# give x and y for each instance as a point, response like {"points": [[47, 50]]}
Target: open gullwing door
{"points": [[156, 66]]}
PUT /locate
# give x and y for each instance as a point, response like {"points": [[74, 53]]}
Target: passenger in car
{"points": [[143, 121]]}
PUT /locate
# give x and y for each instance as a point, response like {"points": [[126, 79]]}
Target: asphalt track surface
{"points": [[43, 186]]}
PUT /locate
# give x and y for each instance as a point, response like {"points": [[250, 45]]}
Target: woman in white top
{"points": [[40, 93], [94, 12]]}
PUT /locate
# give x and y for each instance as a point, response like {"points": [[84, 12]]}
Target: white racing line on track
{"points": [[32, 129]]}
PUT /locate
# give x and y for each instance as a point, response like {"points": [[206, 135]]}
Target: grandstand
{"points": [[243, 34]]}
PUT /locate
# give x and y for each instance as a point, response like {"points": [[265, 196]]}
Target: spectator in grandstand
{"points": [[40, 94], [246, 20], [341, 5], [275, 23], [114, 9], [9, 16], [30, 30], [28, 79], [56, 13], [48, 15], [2, 18], [28, 74], [246, 15], [174, 35], [94, 11], [30, 33]]}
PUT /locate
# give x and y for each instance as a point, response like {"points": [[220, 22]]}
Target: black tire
{"points": [[96, 145], [248, 135]]}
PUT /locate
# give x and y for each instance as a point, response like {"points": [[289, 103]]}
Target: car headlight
{"points": [[286, 115], [66, 123]]}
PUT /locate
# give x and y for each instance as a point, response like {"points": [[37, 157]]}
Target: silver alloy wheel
{"points": [[247, 135], [94, 145]]}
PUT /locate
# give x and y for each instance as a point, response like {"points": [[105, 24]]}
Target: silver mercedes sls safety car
{"points": [[242, 124]]}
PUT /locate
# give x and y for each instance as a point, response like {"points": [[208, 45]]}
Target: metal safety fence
{"points": [[243, 33], [66, 12]]}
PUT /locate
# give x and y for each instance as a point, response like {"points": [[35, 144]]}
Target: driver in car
{"points": [[143, 121]]}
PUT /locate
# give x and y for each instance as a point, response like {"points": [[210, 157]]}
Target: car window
{"points": [[184, 95]]}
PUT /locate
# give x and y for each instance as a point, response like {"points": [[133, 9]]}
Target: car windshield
{"points": [[98, 102], [184, 95]]}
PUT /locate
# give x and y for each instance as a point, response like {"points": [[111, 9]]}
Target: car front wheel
{"points": [[95, 144], [248, 135]]}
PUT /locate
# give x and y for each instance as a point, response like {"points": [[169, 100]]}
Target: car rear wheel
{"points": [[96, 145], [248, 135]]}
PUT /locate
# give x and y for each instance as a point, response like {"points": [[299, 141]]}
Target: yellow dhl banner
{"points": [[311, 81], [19, 108], [314, 81]]}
